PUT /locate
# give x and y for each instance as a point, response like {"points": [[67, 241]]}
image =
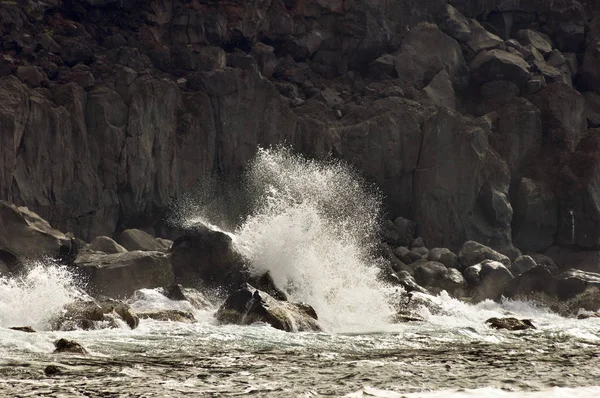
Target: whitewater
{"points": [[313, 226]]}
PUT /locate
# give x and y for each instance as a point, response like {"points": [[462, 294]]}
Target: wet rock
{"points": [[535, 221], [487, 279], [473, 253], [434, 275], [408, 282], [522, 264], [206, 257], [177, 292], [403, 316], [69, 346], [52, 370], [510, 323], [106, 245], [120, 274], [500, 65], [26, 329], [547, 262], [266, 283], [450, 260], [249, 305], [425, 52], [25, 235], [89, 313], [167, 315]]}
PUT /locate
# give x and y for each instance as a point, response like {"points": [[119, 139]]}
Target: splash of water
{"points": [[36, 296], [313, 228]]}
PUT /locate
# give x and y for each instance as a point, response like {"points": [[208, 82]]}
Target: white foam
{"points": [[313, 230], [33, 298], [488, 392]]}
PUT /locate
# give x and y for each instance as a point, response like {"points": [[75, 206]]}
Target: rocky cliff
{"points": [[476, 117]]}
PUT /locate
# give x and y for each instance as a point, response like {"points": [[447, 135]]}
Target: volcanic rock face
{"points": [[474, 128]]}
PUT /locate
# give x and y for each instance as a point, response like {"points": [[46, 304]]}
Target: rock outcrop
{"points": [[479, 128], [248, 305], [120, 274]]}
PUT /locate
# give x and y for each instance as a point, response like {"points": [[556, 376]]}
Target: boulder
{"points": [[440, 91], [535, 221], [425, 52], [487, 279], [408, 282], [550, 73], [454, 24], [563, 114], [206, 257], [120, 274], [522, 264], [482, 40], [499, 65], [536, 39], [25, 235], [473, 253], [437, 277], [69, 346], [436, 254], [510, 323], [177, 292], [106, 245], [167, 315], [249, 305], [135, 239], [29, 75], [88, 313], [383, 67], [52, 370], [266, 284]]}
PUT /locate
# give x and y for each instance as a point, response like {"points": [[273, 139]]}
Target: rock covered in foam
{"points": [[510, 323], [195, 297], [249, 305], [168, 315], [91, 314]]}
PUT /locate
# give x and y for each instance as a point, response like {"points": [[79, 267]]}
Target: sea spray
{"points": [[314, 227], [37, 295]]}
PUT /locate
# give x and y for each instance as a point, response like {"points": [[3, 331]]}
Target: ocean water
{"points": [[313, 226]]}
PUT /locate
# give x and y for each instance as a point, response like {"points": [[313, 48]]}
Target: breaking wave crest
{"points": [[314, 228]]}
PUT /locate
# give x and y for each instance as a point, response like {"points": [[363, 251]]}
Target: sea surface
{"points": [[313, 226]]}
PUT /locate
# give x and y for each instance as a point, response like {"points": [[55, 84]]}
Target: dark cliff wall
{"points": [[110, 107]]}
